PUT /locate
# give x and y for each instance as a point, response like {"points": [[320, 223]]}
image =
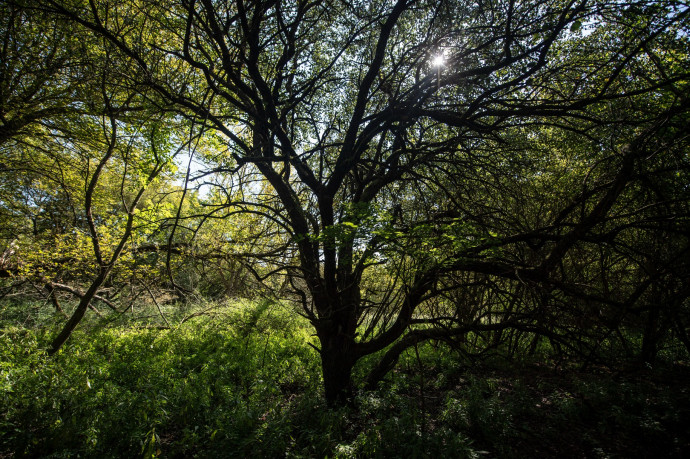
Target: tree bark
{"points": [[337, 360], [77, 315], [651, 336]]}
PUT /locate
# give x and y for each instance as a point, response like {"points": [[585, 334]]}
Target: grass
{"points": [[239, 380]]}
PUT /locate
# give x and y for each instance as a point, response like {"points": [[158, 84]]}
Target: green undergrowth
{"points": [[239, 380]]}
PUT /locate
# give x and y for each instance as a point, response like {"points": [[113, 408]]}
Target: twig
{"points": [[155, 302]]}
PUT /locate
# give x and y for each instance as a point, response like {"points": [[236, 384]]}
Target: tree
{"points": [[82, 156], [394, 185]]}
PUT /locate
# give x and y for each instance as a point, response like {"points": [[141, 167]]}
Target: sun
{"points": [[438, 60]]}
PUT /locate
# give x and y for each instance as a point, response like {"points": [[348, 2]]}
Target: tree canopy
{"points": [[399, 171]]}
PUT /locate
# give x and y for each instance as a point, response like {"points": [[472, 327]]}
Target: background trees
{"points": [[529, 188]]}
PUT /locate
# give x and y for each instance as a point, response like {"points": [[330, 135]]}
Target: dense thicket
{"points": [[495, 174]]}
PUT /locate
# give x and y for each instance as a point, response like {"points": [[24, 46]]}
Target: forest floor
{"points": [[535, 411], [241, 382]]}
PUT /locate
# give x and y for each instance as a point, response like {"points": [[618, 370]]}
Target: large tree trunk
{"points": [[337, 360]]}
